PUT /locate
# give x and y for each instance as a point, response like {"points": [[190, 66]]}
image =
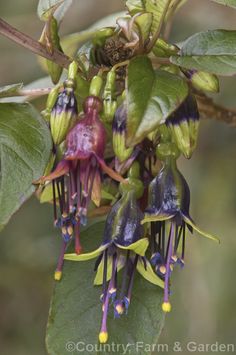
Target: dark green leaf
{"points": [[152, 96], [25, 146], [75, 313], [57, 8], [231, 3], [10, 90], [211, 51]]}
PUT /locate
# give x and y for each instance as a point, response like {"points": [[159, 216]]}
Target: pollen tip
{"points": [[103, 337], [57, 275], [119, 309], [166, 307]]}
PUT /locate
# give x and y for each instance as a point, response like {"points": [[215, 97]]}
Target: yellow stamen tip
{"points": [[103, 337], [120, 309], [57, 275], [166, 307], [162, 269]]}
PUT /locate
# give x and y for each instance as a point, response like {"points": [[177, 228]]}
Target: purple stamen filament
{"points": [[169, 254]]}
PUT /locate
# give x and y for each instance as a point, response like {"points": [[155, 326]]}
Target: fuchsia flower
{"points": [[169, 201], [78, 176]]}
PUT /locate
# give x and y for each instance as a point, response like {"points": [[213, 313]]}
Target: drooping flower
{"points": [[77, 178], [168, 213], [123, 247], [184, 124]]}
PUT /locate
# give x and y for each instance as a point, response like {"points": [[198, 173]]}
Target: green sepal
{"points": [[200, 231], [99, 275], [98, 280], [86, 256], [138, 247], [156, 218], [148, 273], [47, 194]]}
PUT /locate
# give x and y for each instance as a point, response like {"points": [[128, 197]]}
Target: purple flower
{"points": [[77, 178], [123, 247], [169, 201]]}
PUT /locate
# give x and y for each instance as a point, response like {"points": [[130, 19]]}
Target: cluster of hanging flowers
{"points": [[148, 220]]}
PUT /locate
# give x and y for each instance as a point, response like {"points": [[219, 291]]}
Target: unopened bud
{"points": [[109, 101], [202, 80], [64, 113], [184, 124], [119, 130]]}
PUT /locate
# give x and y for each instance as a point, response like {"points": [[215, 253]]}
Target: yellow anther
{"points": [[120, 309], [57, 275], [64, 230], [112, 290], [174, 258], [70, 230], [64, 214], [103, 337], [162, 269], [166, 307]]}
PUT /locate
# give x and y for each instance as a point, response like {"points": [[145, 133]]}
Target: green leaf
{"points": [[75, 313], [10, 90], [231, 3], [158, 9], [25, 145], [135, 6], [57, 8], [211, 51], [152, 96]]}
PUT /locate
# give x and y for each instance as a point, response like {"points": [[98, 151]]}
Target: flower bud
{"points": [[119, 130], [64, 113], [202, 80], [184, 123], [109, 101]]}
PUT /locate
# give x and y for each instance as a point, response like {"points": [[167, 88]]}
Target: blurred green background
{"points": [[204, 293]]}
